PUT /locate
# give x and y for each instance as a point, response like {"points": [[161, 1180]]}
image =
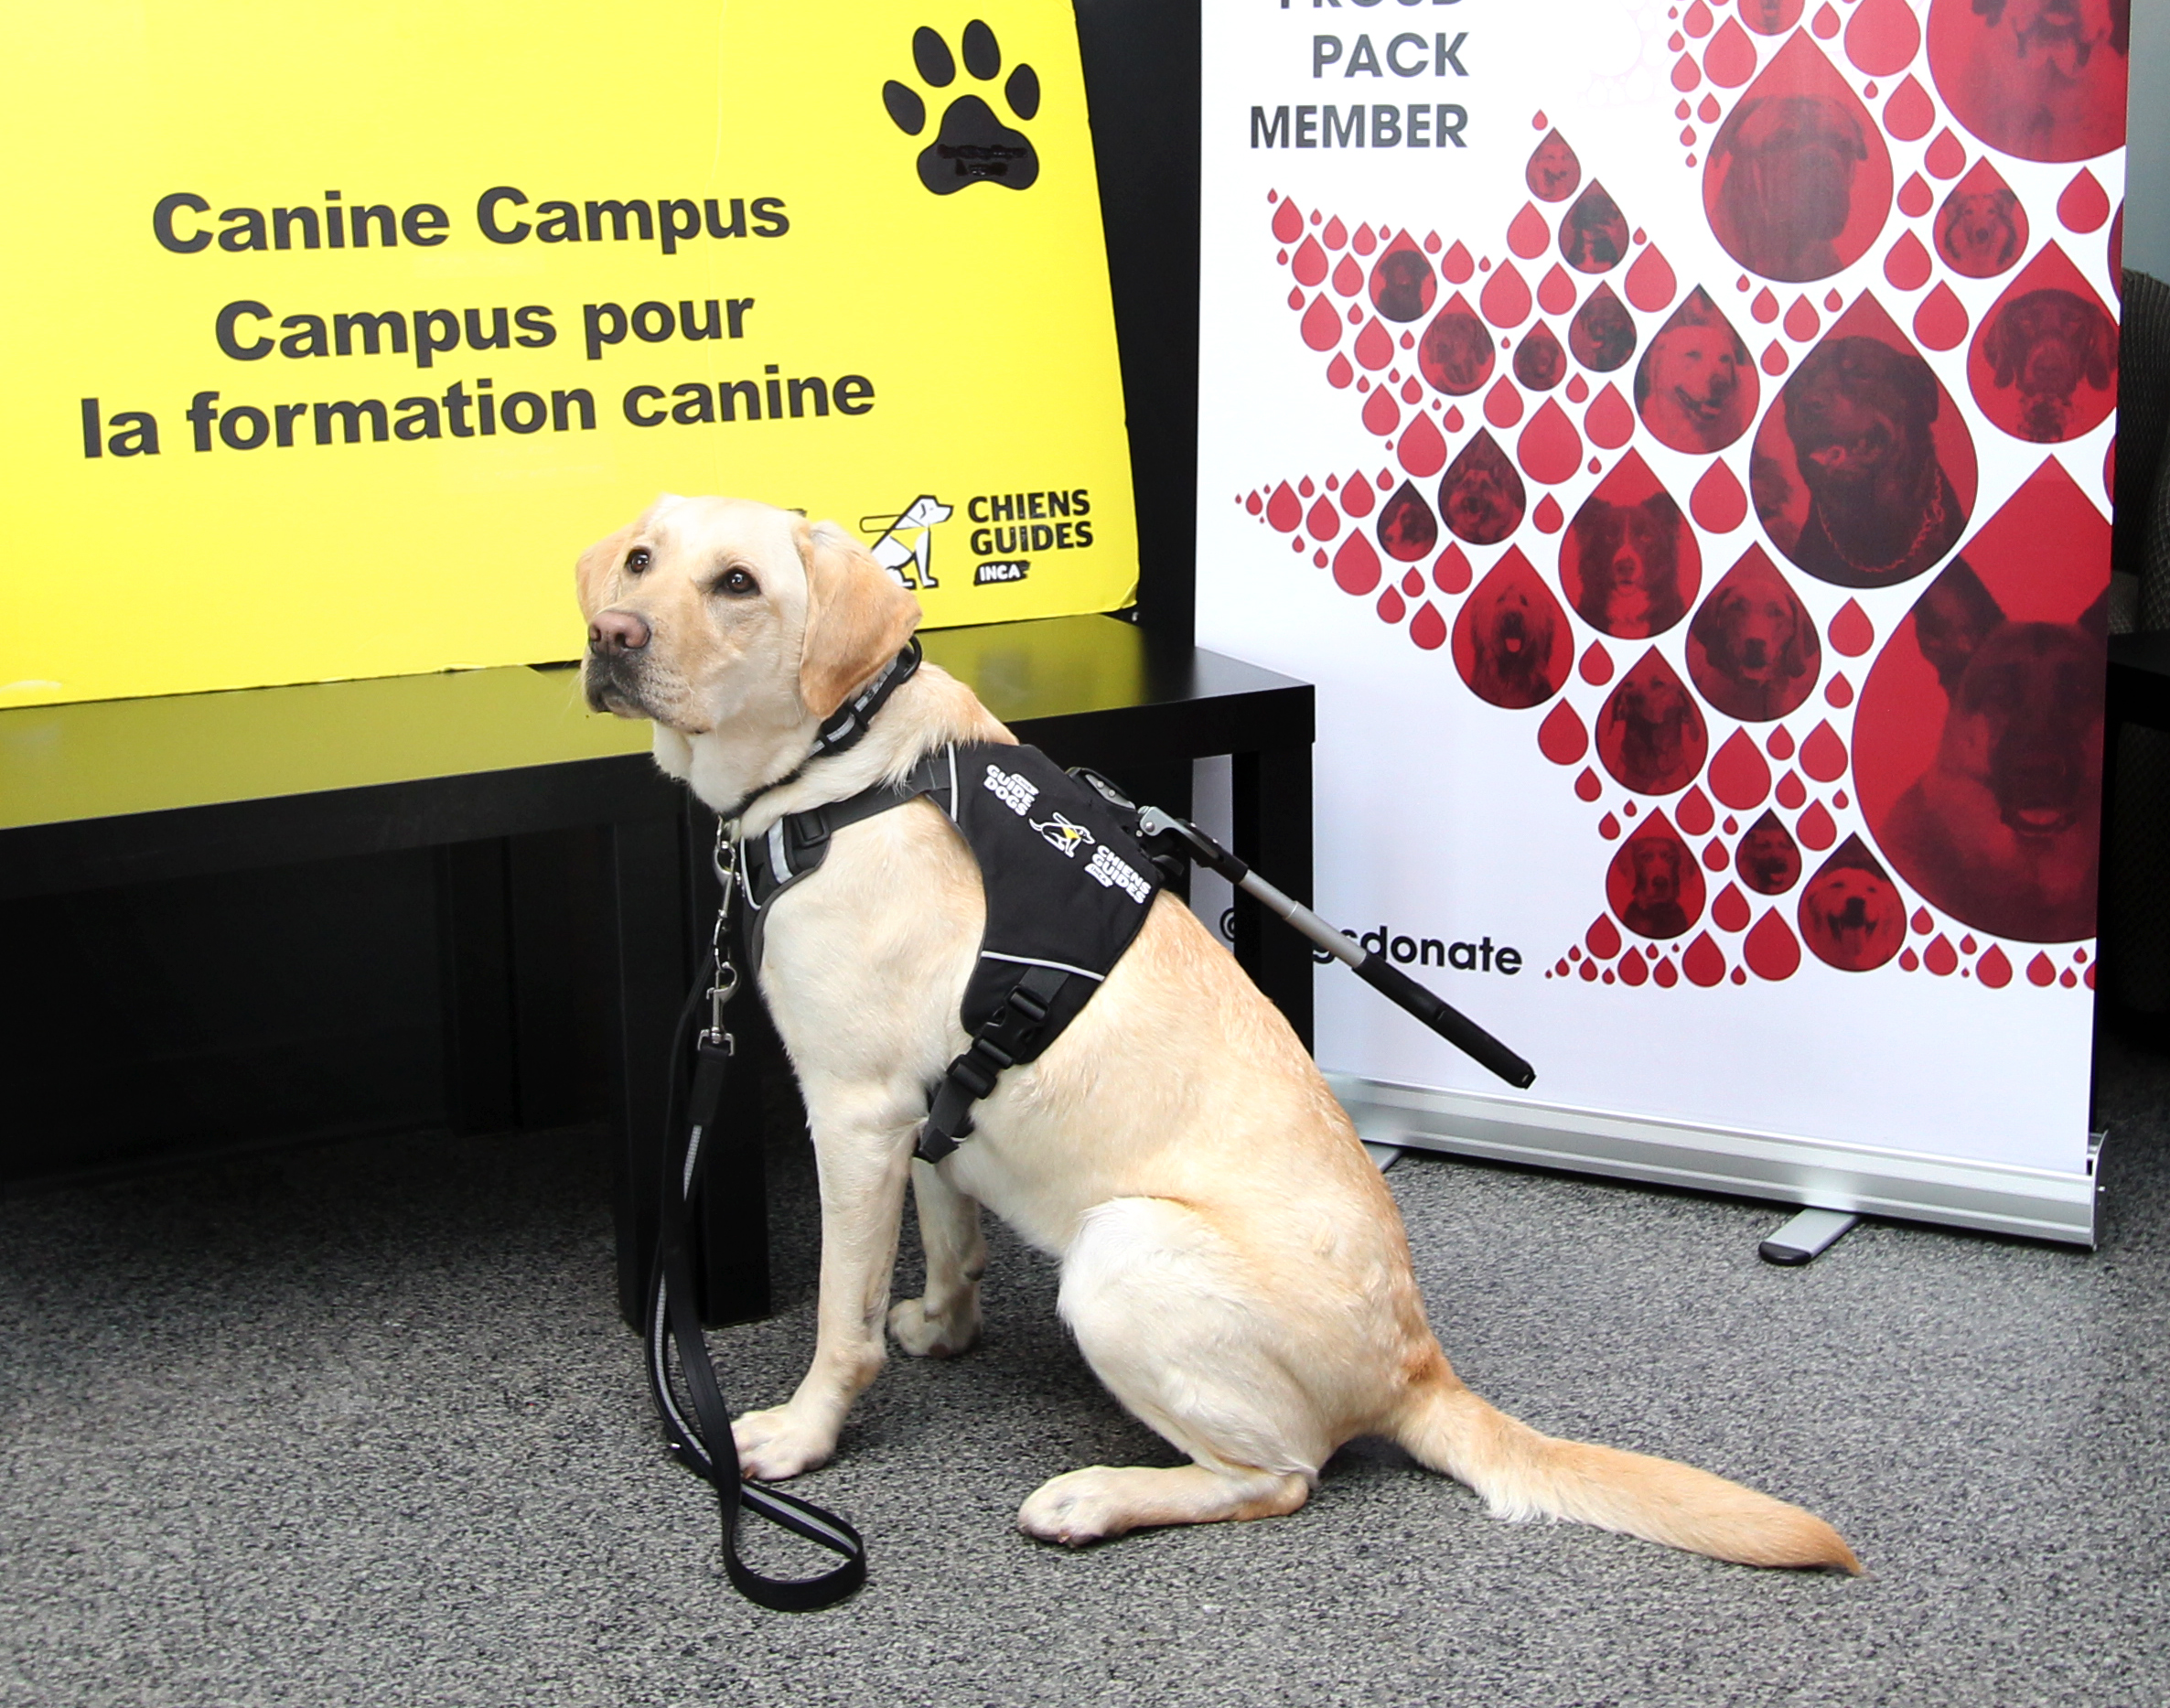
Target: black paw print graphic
{"points": [[973, 145]]}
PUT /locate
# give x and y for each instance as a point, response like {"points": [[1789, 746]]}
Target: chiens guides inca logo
{"points": [[1106, 867]]}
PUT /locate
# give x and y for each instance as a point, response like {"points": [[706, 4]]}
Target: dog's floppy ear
{"points": [[1954, 617], [857, 615], [2102, 349], [2094, 622], [593, 570]]}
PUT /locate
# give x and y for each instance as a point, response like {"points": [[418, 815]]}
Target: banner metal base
{"points": [[1865, 1180]]}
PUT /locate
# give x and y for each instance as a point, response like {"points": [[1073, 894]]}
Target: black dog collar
{"points": [[844, 728]]}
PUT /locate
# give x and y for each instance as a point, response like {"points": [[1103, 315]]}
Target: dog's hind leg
{"points": [[1166, 1312], [945, 1320]]}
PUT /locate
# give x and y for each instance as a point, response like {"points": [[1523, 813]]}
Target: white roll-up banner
{"points": [[1677, 441]]}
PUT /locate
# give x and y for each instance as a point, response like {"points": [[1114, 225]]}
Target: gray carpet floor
{"points": [[358, 1425]]}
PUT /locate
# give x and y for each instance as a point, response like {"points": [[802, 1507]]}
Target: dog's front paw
{"points": [[1074, 1509], [777, 1443], [929, 1335]]}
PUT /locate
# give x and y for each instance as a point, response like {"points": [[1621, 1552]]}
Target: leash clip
{"points": [[724, 987]]}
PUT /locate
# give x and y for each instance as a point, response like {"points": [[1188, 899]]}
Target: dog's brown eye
{"points": [[738, 584], [637, 560]]}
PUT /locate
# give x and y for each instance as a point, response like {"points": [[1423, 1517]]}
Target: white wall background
{"points": [[2147, 180]]}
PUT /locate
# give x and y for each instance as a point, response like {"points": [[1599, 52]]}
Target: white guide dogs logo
{"points": [[900, 555], [1063, 836]]}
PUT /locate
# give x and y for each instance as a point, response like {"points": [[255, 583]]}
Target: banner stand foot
{"points": [[1809, 1235], [1382, 1154]]}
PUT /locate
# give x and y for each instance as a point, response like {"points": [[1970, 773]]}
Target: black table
{"points": [[119, 792]]}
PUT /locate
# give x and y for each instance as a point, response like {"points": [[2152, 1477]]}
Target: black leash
{"points": [[702, 1443]]}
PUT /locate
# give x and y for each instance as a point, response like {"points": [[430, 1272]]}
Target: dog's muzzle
{"points": [[617, 660]]}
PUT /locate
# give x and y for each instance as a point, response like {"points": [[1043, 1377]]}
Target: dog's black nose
{"points": [[613, 632]]}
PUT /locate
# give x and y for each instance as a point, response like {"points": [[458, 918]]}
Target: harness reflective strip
{"points": [[776, 862], [1059, 966]]}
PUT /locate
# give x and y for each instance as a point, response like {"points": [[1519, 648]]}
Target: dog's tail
{"points": [[1524, 1475]]}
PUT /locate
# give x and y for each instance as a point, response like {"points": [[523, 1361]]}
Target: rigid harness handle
{"points": [[1375, 970]]}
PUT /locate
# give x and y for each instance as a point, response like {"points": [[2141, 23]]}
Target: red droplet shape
{"points": [[1730, 59], [1824, 754], [1562, 737], [1719, 503], [1981, 229], [1910, 113], [1356, 564], [1740, 777], [1907, 264], [1883, 37], [1552, 171], [1505, 300], [1650, 283], [1422, 449], [1321, 325], [1549, 449]]}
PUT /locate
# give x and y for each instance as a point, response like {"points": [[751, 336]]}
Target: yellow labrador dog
{"points": [[1232, 1265]]}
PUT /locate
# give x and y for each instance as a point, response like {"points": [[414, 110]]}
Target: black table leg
{"points": [[474, 934], [1272, 830]]}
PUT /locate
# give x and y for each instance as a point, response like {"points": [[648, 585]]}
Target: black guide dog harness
{"points": [[1067, 888]]}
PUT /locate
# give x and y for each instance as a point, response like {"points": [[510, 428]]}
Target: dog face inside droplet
{"points": [[1602, 334], [1480, 495], [1767, 860], [1852, 914], [1553, 171], [1695, 387], [1456, 354]]}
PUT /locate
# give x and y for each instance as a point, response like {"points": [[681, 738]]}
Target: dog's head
{"points": [[2047, 343], [1766, 859], [2059, 37], [1852, 914], [1480, 495], [1553, 171], [1455, 353], [1755, 637], [2025, 717], [1602, 334], [1978, 233], [1790, 182], [712, 615], [1628, 560], [1514, 629], [1689, 386], [1859, 413]]}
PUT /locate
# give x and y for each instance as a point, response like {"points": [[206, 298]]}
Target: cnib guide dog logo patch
{"points": [[1768, 778]]}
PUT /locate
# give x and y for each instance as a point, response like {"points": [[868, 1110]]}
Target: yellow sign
{"points": [[336, 332]]}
